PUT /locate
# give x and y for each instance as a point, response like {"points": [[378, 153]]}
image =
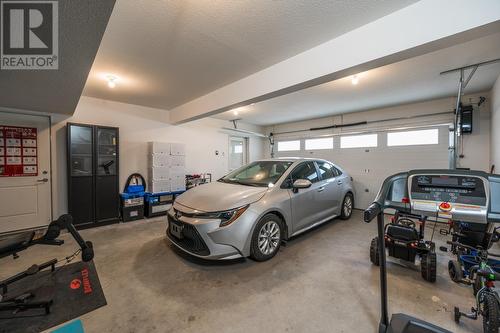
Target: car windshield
{"points": [[260, 173]]}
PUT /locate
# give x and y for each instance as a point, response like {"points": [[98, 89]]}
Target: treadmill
{"points": [[471, 196]]}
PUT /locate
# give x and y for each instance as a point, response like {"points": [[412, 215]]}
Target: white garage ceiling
{"points": [[408, 81], [166, 53]]}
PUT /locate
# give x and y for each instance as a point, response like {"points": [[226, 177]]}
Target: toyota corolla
{"points": [[249, 212]]}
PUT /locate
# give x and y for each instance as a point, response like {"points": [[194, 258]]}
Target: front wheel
{"points": [[477, 285], [266, 238], [374, 255], [347, 206], [490, 313], [455, 271]]}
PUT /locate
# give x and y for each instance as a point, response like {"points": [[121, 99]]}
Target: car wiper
{"points": [[243, 183]]}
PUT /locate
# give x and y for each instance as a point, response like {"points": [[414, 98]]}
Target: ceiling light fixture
{"points": [[112, 81], [355, 80], [235, 112]]}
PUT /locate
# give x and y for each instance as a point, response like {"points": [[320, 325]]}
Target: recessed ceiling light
{"points": [[111, 81], [355, 80]]}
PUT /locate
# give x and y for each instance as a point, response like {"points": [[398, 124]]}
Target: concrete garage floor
{"points": [[321, 281]]}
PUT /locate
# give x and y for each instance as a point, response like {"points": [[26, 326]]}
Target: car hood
{"points": [[218, 196]]}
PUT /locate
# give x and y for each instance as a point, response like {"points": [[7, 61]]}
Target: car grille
{"points": [[191, 240]]}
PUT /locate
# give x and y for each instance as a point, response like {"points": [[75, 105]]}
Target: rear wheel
{"points": [[374, 256], [490, 313], [266, 238], [347, 206], [428, 266], [454, 271], [457, 315]]}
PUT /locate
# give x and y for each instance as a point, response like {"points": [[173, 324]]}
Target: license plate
{"points": [[176, 230]]}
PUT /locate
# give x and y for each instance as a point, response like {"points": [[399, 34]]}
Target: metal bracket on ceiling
{"points": [[461, 87]]}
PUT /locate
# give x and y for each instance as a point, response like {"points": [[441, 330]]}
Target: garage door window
{"points": [[317, 144], [289, 145], [359, 141], [412, 138]]}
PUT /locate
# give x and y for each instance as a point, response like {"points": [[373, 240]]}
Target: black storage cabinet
{"points": [[93, 160]]}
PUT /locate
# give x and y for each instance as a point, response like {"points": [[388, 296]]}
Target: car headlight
{"points": [[230, 216], [227, 216]]}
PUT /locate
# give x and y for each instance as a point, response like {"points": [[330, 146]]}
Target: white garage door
{"points": [[380, 155]]}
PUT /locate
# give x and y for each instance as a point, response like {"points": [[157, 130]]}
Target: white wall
{"points": [[495, 126], [139, 125], [476, 145]]}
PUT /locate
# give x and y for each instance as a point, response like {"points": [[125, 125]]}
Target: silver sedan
{"points": [[251, 210]]}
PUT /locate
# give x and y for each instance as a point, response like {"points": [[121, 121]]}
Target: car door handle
{"points": [[321, 189], [339, 182]]}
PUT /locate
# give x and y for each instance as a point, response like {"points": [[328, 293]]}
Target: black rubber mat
{"points": [[74, 288]]}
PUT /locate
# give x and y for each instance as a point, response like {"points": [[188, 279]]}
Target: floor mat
{"points": [[74, 288]]}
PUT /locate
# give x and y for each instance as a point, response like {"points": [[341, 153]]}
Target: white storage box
{"points": [[177, 160], [159, 173], [159, 148], [178, 184], [158, 186], [177, 171], [178, 149], [160, 160]]}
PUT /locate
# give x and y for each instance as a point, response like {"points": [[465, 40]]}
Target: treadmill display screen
{"points": [[449, 188]]}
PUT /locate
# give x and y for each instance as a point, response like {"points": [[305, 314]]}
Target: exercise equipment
{"points": [[405, 242], [458, 195], [11, 245]]}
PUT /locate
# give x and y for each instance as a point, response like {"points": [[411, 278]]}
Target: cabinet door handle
{"points": [[43, 180]]}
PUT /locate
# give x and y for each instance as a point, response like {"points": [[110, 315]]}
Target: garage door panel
{"points": [[370, 166]]}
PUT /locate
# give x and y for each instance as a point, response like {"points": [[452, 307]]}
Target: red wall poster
{"points": [[18, 151]]}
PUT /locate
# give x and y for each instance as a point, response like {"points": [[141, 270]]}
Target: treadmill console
{"points": [[450, 196]]}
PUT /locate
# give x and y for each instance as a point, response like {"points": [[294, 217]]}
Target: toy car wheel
{"points": [[374, 256], [428, 266], [457, 315], [455, 271], [490, 314]]}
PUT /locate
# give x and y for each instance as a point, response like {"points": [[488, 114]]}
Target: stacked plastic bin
{"points": [[167, 167]]}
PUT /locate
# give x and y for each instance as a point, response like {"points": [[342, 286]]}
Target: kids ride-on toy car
{"points": [[469, 261], [405, 242]]}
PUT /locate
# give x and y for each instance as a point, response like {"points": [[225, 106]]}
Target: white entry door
{"points": [[25, 181], [237, 152]]}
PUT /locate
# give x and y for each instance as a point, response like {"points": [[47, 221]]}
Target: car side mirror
{"points": [[301, 183]]}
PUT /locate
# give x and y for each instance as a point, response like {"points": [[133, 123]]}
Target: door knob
{"points": [[43, 180]]}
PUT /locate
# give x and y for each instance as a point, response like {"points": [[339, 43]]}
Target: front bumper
{"points": [[204, 238]]}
